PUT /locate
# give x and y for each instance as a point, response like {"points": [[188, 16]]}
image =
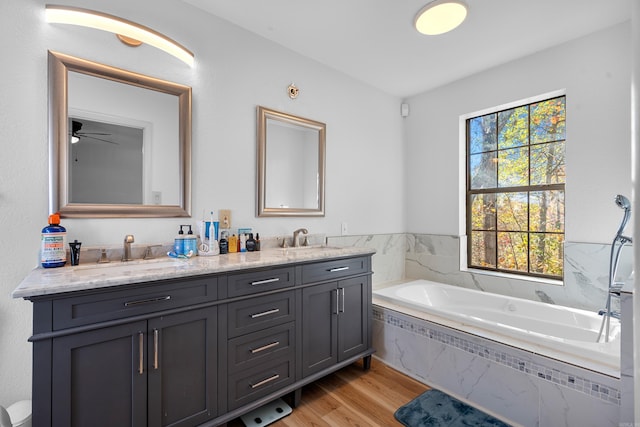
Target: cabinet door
{"points": [[353, 317], [182, 362], [319, 327], [100, 377]]}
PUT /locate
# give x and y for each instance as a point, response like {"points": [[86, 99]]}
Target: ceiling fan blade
{"points": [[99, 139]]}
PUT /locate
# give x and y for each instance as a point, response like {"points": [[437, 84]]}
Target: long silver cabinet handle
{"points": [[334, 270], [147, 301], [265, 281], [264, 347], [265, 381], [265, 313], [342, 301], [140, 353], [155, 349]]}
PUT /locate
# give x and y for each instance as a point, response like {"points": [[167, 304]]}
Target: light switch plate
{"points": [[224, 217]]}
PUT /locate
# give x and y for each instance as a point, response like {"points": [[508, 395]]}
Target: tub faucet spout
{"points": [[296, 242]]}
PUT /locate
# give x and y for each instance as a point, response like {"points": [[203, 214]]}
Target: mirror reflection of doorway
{"points": [[106, 162]]}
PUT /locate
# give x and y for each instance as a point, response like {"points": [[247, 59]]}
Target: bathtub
{"points": [[561, 333]]}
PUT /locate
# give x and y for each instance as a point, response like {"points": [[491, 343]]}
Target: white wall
{"points": [[234, 72], [595, 71]]}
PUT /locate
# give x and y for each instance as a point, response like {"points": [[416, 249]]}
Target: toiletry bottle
{"points": [[251, 243], [233, 244], [190, 243], [178, 243], [257, 241], [224, 245], [74, 252], [53, 252], [243, 242]]}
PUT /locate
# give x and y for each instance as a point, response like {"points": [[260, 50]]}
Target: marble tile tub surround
{"points": [[388, 262], [515, 385], [437, 258]]}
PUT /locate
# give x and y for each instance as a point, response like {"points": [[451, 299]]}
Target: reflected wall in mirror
{"points": [[120, 142], [291, 164]]}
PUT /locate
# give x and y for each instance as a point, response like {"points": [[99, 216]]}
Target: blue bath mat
{"points": [[434, 408]]}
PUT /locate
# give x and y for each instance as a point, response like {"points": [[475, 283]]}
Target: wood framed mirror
{"points": [[97, 167], [291, 165]]}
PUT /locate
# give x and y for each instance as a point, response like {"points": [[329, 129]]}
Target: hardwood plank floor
{"points": [[352, 397]]}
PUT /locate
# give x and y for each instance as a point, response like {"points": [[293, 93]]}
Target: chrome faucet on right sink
{"points": [[296, 242]]}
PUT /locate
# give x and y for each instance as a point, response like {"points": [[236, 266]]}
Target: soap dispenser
{"points": [[178, 243], [190, 243]]}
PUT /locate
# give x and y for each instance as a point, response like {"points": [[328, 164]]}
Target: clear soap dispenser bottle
{"points": [[178, 243]]}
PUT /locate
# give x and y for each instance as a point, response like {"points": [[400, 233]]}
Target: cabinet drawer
{"points": [[329, 270], [259, 313], [260, 281], [254, 349], [135, 300], [248, 385]]}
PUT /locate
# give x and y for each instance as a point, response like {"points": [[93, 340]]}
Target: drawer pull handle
{"points": [[265, 281], [140, 353], [335, 270], [147, 301], [265, 313], [265, 381], [155, 349], [264, 347]]}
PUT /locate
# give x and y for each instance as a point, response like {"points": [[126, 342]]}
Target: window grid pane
{"points": [[516, 175]]}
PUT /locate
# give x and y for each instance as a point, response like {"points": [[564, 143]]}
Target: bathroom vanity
{"points": [[196, 342]]}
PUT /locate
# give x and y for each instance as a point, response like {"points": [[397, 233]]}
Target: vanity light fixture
{"points": [[440, 16], [128, 32]]}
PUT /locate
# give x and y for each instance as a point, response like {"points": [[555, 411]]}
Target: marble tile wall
{"points": [[389, 259], [517, 386], [436, 257]]}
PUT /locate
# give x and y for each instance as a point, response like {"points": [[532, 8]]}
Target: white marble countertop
{"points": [[47, 281]]}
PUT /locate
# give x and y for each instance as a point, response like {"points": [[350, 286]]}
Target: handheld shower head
{"points": [[623, 203]]}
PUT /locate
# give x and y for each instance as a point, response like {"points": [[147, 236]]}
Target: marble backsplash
{"points": [[437, 258]]}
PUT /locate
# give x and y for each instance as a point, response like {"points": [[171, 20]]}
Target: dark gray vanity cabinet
{"points": [[158, 372], [134, 355], [200, 350], [335, 315]]}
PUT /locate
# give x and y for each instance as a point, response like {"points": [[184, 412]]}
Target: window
{"points": [[515, 189]]}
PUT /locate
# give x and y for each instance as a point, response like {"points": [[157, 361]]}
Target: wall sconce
{"points": [[128, 32]]}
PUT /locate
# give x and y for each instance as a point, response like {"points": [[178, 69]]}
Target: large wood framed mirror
{"points": [[119, 142], [291, 165]]}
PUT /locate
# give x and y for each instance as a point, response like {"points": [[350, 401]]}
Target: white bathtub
{"points": [[558, 332]]}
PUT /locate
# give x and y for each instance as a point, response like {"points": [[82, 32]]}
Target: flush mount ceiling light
{"points": [[440, 16], [128, 32]]}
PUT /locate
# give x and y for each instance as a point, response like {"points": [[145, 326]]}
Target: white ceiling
{"points": [[374, 40]]}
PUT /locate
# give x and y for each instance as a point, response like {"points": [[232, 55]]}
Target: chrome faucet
{"points": [[128, 240], [296, 242]]}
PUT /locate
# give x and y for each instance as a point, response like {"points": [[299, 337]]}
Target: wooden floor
{"points": [[352, 397]]}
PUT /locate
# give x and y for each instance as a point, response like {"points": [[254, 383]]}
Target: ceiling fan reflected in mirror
{"points": [[77, 134]]}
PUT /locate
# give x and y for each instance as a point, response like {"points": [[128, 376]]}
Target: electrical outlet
{"points": [[157, 197], [224, 217], [344, 229]]}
